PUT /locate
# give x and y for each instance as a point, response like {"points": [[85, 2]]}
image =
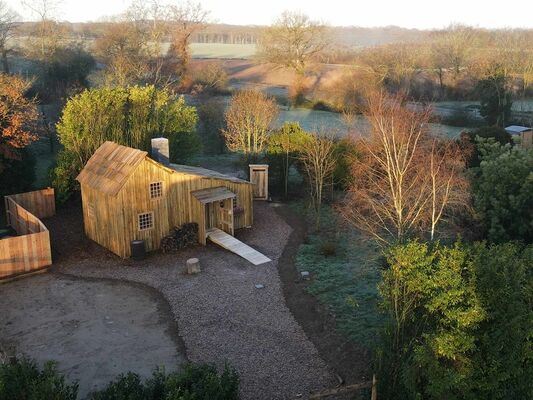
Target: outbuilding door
{"points": [[259, 178], [217, 206], [219, 215]]}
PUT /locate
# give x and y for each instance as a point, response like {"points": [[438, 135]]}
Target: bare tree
{"points": [[317, 157], [8, 19], [150, 21], [185, 20], [456, 46], [395, 65], [249, 120], [438, 61], [448, 187], [293, 41], [48, 32], [403, 181], [122, 47]]}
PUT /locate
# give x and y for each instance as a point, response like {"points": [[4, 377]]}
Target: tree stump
{"points": [[193, 266]]}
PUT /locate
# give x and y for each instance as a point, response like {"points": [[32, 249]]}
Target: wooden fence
{"points": [[30, 250]]}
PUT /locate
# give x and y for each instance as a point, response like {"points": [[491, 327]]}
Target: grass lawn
{"points": [[345, 281], [221, 50], [316, 120]]}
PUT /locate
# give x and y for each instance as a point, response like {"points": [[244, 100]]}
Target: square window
{"points": [[146, 221], [156, 190]]}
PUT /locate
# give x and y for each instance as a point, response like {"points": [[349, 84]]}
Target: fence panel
{"points": [[30, 251]]}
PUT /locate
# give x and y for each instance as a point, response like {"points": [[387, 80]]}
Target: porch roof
{"points": [[210, 195]]}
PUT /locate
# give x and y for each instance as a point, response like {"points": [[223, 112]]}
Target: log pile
{"points": [[180, 237]]}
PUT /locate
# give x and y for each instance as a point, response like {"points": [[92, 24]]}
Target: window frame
{"points": [[156, 187], [151, 219]]}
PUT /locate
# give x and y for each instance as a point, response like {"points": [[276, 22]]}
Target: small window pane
{"points": [[146, 221], [156, 190]]}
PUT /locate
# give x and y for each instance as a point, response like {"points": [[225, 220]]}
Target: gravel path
{"points": [[222, 317]]}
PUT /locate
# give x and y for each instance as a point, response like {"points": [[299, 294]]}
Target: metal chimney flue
{"points": [[160, 150]]}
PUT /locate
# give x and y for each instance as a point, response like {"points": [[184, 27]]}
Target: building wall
{"points": [[183, 206], [113, 221], [135, 198], [103, 219], [527, 139]]}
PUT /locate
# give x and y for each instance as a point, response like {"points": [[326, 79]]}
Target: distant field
{"points": [[314, 120], [220, 50], [518, 105]]}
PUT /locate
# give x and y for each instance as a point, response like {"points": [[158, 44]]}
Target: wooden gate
{"points": [[259, 178], [225, 216]]}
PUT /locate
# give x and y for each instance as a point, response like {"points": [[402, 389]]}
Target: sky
{"points": [[421, 14]]}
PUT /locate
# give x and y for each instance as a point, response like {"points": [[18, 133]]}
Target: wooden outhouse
{"points": [[259, 178], [128, 196]]}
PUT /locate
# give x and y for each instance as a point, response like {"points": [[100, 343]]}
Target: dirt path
{"points": [[94, 329], [348, 360]]}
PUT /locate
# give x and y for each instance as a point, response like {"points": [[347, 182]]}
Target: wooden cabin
{"points": [[128, 196]]}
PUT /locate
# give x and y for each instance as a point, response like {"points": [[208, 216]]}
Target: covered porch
{"points": [[213, 209]]}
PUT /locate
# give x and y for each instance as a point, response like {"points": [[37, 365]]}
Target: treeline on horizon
{"points": [[346, 37]]}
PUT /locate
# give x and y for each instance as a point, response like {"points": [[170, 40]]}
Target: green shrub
{"points": [[126, 387], [469, 142], [22, 379], [345, 153], [460, 321], [62, 175], [129, 116], [503, 192], [284, 147], [504, 362], [495, 96], [195, 382], [211, 115]]}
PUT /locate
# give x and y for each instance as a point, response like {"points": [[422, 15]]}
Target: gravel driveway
{"points": [[222, 317]]}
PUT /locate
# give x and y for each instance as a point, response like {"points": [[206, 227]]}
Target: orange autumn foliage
{"points": [[18, 116]]}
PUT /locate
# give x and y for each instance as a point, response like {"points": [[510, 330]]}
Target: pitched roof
{"points": [[210, 195], [110, 166], [206, 173], [516, 129]]}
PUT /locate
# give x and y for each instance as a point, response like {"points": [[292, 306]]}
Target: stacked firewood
{"points": [[180, 237]]}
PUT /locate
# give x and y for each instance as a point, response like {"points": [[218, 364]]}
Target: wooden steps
{"points": [[236, 246]]}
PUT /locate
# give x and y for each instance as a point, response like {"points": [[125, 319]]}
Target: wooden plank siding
{"points": [[40, 203], [259, 178], [112, 221], [30, 251], [236, 246]]}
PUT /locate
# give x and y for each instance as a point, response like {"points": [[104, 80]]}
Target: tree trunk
{"points": [[5, 65]]}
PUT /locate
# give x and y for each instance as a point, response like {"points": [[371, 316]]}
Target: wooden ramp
{"points": [[236, 246]]}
